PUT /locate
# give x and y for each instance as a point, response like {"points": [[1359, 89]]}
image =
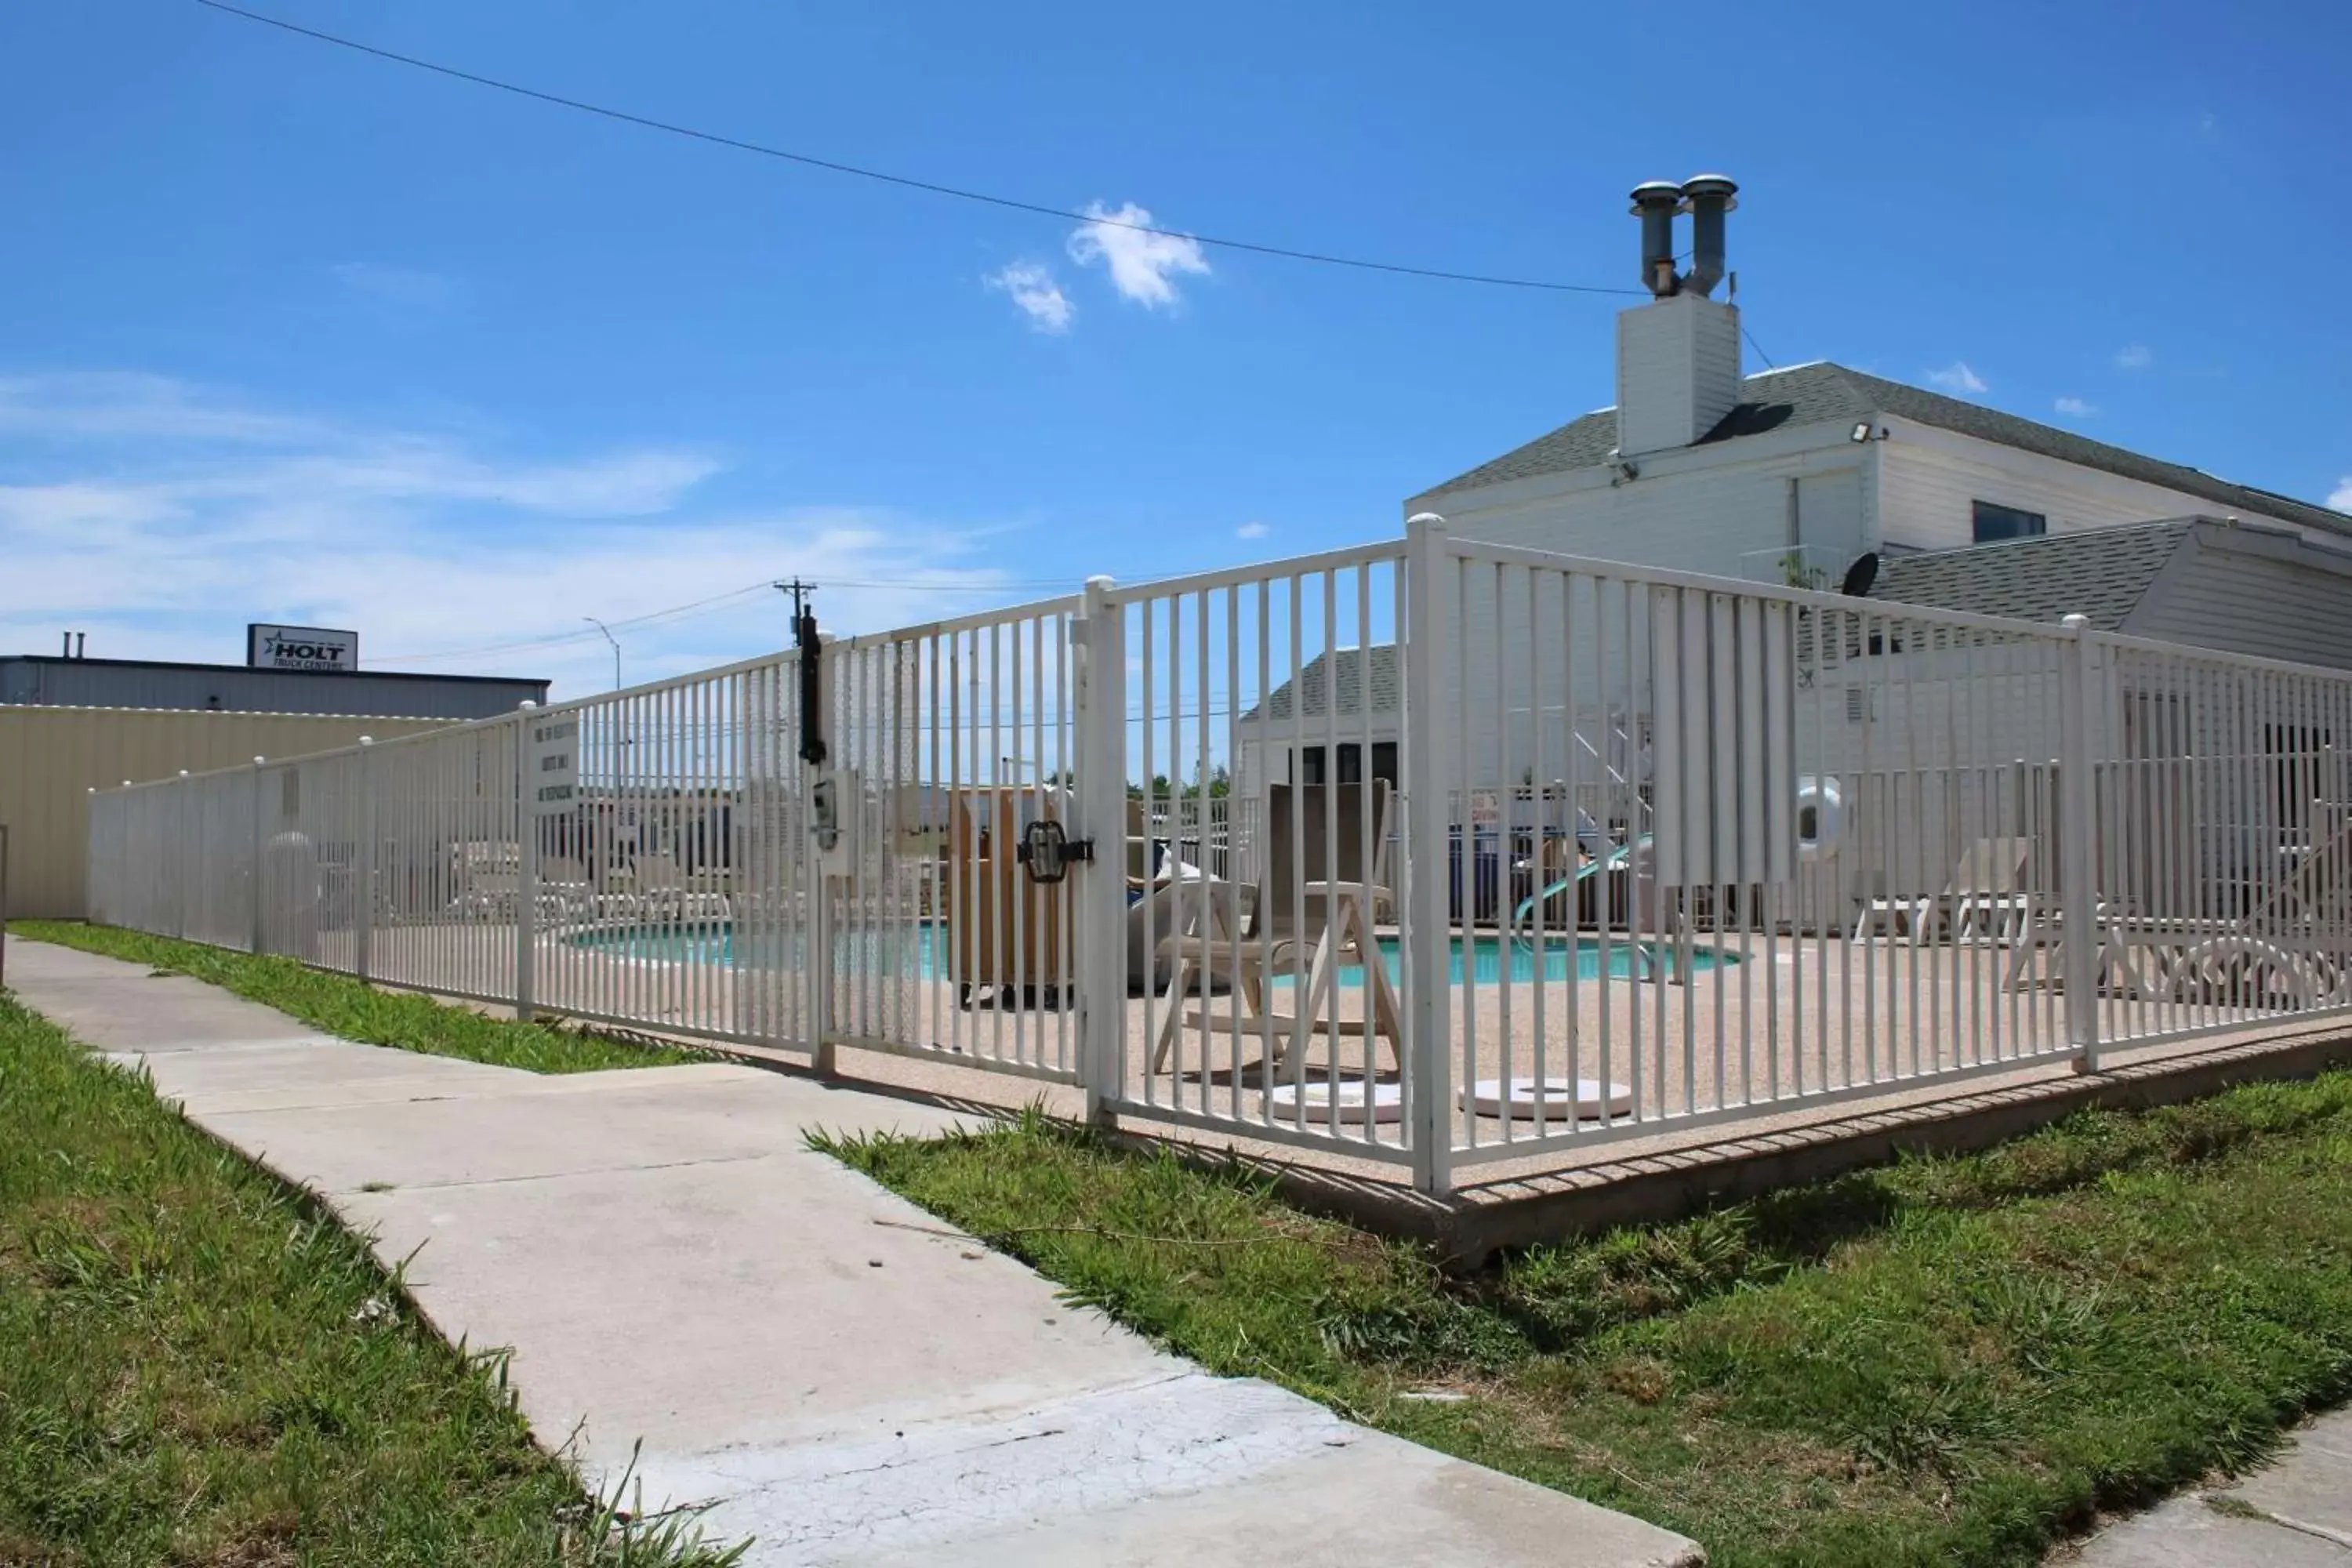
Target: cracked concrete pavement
{"points": [[2295, 1513], [840, 1376]]}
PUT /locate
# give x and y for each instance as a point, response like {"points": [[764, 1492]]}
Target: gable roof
{"points": [[2100, 572], [1317, 677], [1822, 394]]}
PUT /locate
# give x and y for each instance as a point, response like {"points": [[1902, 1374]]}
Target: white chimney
{"points": [[1678, 356]]}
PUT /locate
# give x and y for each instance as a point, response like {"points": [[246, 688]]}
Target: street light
{"points": [[616, 648]]}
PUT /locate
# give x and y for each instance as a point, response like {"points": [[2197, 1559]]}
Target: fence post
{"points": [[180, 851], [364, 895], [1429, 572], [1102, 811], [815, 674], [2078, 831], [260, 886], [525, 868]]}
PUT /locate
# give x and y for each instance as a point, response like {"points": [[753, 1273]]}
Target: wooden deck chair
{"points": [[1325, 918]]}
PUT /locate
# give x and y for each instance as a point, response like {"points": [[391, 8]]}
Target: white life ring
{"points": [[1820, 817]]}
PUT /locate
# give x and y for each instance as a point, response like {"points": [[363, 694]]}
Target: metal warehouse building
{"points": [[68, 724], [49, 681], [51, 758]]}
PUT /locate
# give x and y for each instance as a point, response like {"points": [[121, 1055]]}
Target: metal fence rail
{"points": [[1429, 853], [1258, 739], [1701, 950], [948, 741]]}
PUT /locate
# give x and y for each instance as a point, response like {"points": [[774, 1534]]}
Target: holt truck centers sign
{"points": [[300, 648]]}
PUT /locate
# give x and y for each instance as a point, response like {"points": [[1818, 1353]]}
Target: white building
{"points": [[1794, 473], [1700, 468]]}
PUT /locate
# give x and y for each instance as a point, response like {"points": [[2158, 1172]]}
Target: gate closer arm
{"points": [[811, 651]]}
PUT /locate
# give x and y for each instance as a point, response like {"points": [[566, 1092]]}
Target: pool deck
{"points": [[1894, 1045]]}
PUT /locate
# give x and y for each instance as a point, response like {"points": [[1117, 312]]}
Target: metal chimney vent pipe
{"points": [[1709, 197], [1655, 203]]}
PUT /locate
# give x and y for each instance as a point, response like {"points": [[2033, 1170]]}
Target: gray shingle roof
{"points": [[1824, 393], [1388, 684], [2101, 573]]}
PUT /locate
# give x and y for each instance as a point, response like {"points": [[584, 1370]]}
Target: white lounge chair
{"points": [[1306, 927], [662, 888], [1988, 898], [2294, 945]]}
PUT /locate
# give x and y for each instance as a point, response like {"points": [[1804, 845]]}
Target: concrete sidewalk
{"points": [[2296, 1514], [670, 1264]]}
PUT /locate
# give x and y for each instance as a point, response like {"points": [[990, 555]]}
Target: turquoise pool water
{"points": [[921, 947]]}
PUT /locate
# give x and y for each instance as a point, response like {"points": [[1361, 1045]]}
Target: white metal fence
{"points": [[1430, 853]]}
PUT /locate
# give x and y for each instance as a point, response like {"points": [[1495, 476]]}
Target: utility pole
{"points": [[800, 592]]}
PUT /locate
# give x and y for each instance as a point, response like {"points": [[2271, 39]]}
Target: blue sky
{"points": [[293, 334]]}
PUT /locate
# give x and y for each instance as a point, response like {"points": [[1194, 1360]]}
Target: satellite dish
{"points": [[1860, 575]]}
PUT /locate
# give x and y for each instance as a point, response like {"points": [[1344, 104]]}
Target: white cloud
{"points": [[400, 286], [103, 405], [1957, 377], [2076, 409], [424, 544], [1252, 530], [2341, 497], [1037, 295], [2134, 356], [1142, 265]]}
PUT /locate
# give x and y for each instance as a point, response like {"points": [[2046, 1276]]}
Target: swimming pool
{"points": [[921, 950]]}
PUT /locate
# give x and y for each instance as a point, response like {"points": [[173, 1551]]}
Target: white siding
{"points": [[2247, 603], [1677, 372], [1697, 510], [1928, 476], [1718, 510]]}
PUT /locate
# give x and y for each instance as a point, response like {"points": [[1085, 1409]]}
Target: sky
{"points": [[290, 333]]}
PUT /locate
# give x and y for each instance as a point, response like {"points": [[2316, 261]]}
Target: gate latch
{"points": [[1047, 851]]}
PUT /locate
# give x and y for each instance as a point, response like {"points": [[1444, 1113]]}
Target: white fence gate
{"points": [[1431, 853]]}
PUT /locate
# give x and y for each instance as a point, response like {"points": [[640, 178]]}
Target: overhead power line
{"points": [[932, 187], [674, 612], [557, 639]]}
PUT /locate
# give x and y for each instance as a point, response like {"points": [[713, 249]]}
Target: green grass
{"points": [[344, 1006], [1949, 1361], [199, 1366]]}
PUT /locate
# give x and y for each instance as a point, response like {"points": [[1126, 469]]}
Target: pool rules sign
{"points": [[552, 765]]}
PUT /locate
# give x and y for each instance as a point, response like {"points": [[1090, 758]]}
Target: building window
{"points": [[1995, 522], [2300, 765], [1351, 763]]}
